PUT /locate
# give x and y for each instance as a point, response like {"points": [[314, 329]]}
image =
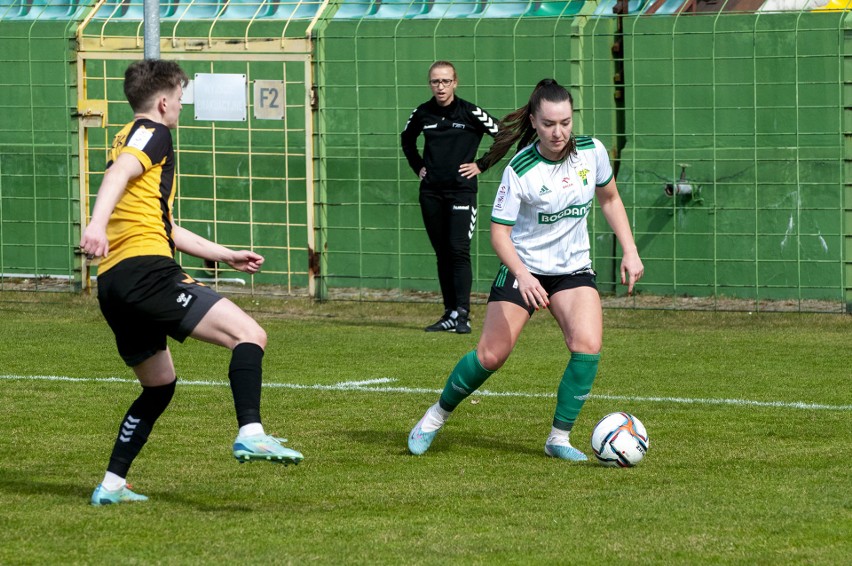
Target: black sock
{"points": [[137, 425], [246, 374]]}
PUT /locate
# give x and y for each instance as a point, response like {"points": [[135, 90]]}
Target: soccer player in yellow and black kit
{"points": [[145, 295]]}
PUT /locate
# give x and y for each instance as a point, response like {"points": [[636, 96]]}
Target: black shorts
{"points": [[146, 298], [505, 287]]}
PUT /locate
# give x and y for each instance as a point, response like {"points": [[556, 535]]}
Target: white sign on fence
{"points": [[220, 97]]}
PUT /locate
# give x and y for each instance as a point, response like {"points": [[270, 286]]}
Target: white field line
{"points": [[374, 386]]}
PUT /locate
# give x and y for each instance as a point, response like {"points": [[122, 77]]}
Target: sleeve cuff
{"points": [[605, 183]]}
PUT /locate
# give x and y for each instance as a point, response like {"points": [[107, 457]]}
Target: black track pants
{"points": [[450, 219]]}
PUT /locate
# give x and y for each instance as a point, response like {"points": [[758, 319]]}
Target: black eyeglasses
{"points": [[444, 82]]}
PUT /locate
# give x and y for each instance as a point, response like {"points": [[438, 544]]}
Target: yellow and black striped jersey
{"points": [[141, 223]]}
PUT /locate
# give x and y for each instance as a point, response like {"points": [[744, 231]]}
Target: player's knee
{"points": [[491, 359], [584, 344], [254, 334], [244, 328], [460, 254]]}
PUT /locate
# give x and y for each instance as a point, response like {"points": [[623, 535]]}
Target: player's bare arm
{"points": [[94, 241], [616, 216], [195, 245]]}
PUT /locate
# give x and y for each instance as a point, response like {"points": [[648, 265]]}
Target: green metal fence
{"points": [[748, 109], [743, 110], [38, 158], [730, 132], [372, 74]]}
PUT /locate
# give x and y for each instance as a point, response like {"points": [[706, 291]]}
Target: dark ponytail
{"points": [[517, 126]]}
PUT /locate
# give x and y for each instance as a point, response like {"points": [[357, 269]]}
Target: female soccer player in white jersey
{"points": [[540, 234]]}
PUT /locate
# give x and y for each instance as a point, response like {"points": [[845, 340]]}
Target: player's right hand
{"points": [[531, 290], [94, 242]]}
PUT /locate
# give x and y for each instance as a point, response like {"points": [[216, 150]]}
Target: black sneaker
{"points": [[462, 321], [447, 323]]}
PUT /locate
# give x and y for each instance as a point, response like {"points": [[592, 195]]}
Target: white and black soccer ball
{"points": [[619, 439]]}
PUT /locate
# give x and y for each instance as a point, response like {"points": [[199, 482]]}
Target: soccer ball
{"points": [[619, 439]]}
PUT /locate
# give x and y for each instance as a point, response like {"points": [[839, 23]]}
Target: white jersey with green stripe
{"points": [[547, 204]]}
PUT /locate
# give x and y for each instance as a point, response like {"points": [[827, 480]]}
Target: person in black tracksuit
{"points": [[452, 129]]}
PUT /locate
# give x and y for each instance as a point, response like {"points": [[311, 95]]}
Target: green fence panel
{"points": [[372, 74], [38, 161], [731, 134], [747, 109]]}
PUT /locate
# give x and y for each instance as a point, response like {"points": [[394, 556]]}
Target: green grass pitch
{"points": [[748, 417]]}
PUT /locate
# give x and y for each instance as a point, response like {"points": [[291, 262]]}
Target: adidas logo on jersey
{"points": [[544, 190]]}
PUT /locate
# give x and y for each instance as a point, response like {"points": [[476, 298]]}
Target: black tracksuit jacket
{"points": [[452, 134]]}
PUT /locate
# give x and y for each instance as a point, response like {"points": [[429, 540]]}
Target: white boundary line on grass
{"points": [[376, 385]]}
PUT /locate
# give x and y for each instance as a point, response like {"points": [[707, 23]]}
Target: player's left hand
{"points": [[469, 170], [246, 261], [632, 270]]}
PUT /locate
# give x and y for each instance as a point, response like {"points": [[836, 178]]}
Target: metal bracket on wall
{"points": [[684, 187], [92, 113]]}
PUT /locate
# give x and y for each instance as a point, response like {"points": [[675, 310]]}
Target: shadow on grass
{"points": [[15, 482], [396, 442], [206, 506]]}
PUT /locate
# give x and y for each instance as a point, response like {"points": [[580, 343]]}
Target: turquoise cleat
{"points": [[263, 447], [564, 452], [103, 496], [419, 441]]}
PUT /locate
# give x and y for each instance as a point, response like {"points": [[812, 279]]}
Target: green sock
{"points": [[574, 388], [465, 378]]}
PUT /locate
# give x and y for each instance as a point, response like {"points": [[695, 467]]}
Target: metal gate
{"points": [[246, 184]]}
